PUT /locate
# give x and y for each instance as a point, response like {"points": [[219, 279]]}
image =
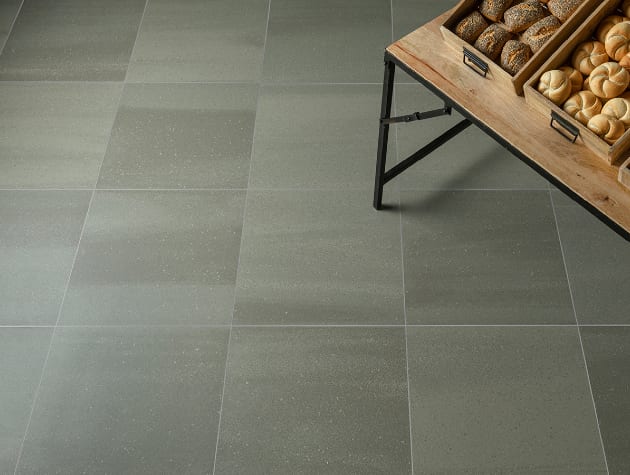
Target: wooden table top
{"points": [[510, 118]]}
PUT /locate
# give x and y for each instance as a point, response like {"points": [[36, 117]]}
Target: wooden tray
{"points": [[624, 174], [494, 72], [610, 153]]}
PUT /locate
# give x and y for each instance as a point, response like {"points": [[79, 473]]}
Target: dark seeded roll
{"points": [[522, 16], [494, 9], [538, 34], [492, 41], [514, 56], [563, 9], [471, 27]]}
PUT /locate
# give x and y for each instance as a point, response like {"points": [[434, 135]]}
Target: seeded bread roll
{"points": [[538, 34], [618, 40], [555, 86], [514, 56], [619, 108], [522, 16], [588, 55], [606, 24], [563, 9], [583, 106], [471, 27], [575, 77], [494, 9], [608, 128], [492, 41], [609, 80]]}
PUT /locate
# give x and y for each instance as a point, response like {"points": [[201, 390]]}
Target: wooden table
{"points": [[504, 116]]}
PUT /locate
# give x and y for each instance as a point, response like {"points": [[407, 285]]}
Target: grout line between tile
{"points": [[10, 30], [312, 325], [588, 376], [238, 262]]}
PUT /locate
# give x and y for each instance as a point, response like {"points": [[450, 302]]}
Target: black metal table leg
{"points": [[383, 134]]}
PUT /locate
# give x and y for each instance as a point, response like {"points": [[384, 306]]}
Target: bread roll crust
{"points": [[538, 34], [619, 108], [625, 7], [563, 9], [514, 56], [618, 40], [492, 41], [609, 80], [555, 86], [494, 9], [583, 106], [471, 27], [523, 15], [576, 78], [608, 128], [606, 24], [588, 55]]}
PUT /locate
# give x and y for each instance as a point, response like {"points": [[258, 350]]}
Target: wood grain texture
{"points": [[510, 118]]}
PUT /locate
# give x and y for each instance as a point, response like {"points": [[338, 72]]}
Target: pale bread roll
{"points": [[618, 40], [609, 80], [625, 7], [606, 24], [619, 108], [608, 128], [583, 106], [625, 62], [588, 55], [575, 77], [586, 86], [555, 86]]}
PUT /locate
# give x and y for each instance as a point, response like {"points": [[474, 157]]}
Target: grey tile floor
{"points": [[194, 281]]}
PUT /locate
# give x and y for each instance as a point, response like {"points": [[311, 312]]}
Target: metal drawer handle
{"points": [[572, 130], [475, 63]]}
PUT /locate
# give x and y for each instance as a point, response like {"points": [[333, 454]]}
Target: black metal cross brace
{"points": [[383, 176]]}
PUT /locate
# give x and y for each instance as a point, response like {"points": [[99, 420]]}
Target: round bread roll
{"points": [[619, 108], [626, 95], [608, 128], [588, 55], [625, 62], [514, 56], [606, 24], [563, 9], [586, 86], [625, 7], [492, 41], [471, 27], [618, 40], [583, 106], [555, 86], [493, 9], [523, 15], [538, 34], [575, 77], [609, 80]]}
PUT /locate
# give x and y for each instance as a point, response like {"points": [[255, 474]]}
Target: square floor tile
{"points": [[74, 40], [315, 400], [483, 257], [128, 400], [38, 240], [607, 352], [327, 41], [501, 400], [8, 12], [196, 40], [22, 354], [315, 257], [54, 135], [157, 258], [316, 137], [181, 136], [597, 262], [472, 160]]}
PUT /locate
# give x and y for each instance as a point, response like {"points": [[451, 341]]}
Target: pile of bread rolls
{"points": [[593, 89], [509, 32]]}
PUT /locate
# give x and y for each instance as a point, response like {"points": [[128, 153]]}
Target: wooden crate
{"points": [[624, 174], [609, 153], [496, 74]]}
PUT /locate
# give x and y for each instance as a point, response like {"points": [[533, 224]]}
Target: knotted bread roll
{"points": [[625, 7], [588, 55], [583, 106], [555, 86], [575, 77], [606, 24], [608, 80], [618, 108], [618, 40], [608, 128], [625, 62]]}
